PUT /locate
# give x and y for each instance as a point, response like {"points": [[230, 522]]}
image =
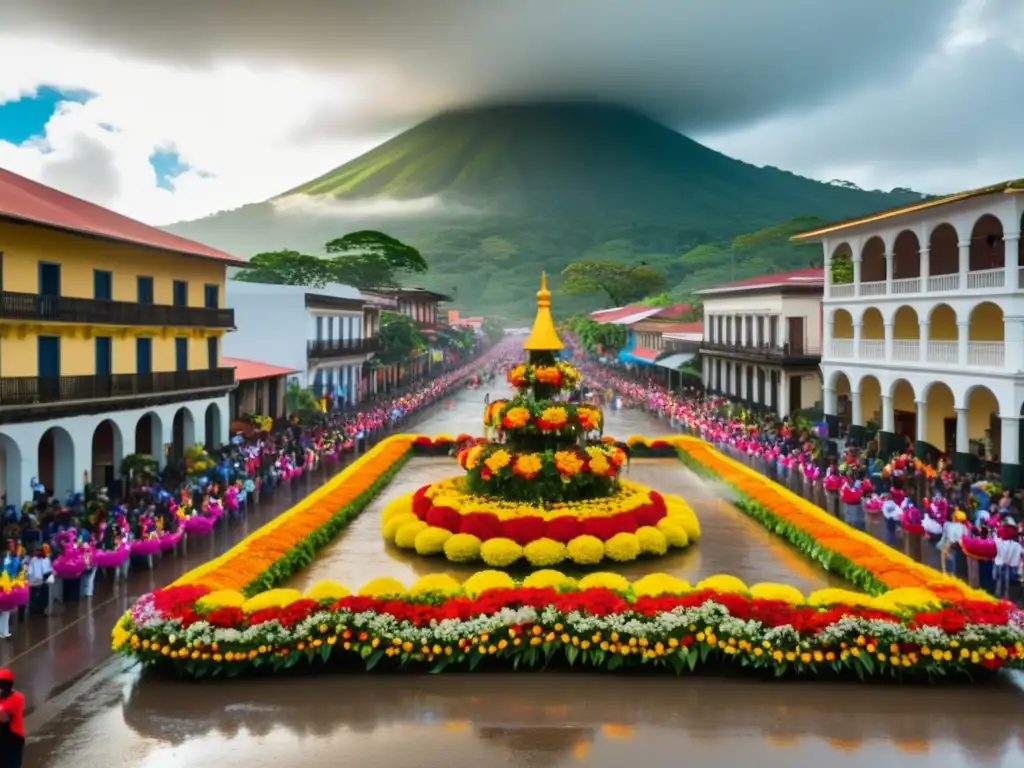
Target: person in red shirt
{"points": [[12, 722]]}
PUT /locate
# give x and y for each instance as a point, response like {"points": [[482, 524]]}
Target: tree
{"points": [[621, 283], [370, 259], [399, 338], [598, 337], [365, 259], [493, 330]]}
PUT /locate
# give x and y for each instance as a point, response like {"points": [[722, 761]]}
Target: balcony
{"points": [[797, 354], [980, 281], [23, 391], [327, 349], [971, 354], [33, 308]]}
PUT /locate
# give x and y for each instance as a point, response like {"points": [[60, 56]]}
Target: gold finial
{"points": [[543, 337]]}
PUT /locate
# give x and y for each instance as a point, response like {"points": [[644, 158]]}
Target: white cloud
{"points": [[326, 206], [235, 126]]}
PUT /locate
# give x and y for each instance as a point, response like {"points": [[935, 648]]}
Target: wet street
{"points": [[110, 716]]}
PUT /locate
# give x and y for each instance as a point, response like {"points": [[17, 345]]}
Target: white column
{"points": [[964, 263], [1011, 242], [783, 332], [783, 408], [828, 400], [924, 327], [1013, 343], [22, 492], [827, 264], [353, 393], [856, 274], [888, 273], [164, 438], [1009, 451], [858, 327], [82, 466], [922, 420], [742, 319], [962, 436], [855, 414], [888, 340], [963, 334], [925, 255], [888, 416]]}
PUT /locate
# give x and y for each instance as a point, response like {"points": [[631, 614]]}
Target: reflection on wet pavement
{"points": [[530, 719]]}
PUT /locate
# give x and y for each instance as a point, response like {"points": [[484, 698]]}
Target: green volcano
{"points": [[492, 195]]}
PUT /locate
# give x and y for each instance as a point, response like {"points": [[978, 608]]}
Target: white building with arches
{"points": [[924, 326]]}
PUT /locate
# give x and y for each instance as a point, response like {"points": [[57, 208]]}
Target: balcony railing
{"points": [[764, 349], [32, 307], [979, 354], [974, 280], [42, 390], [329, 348]]}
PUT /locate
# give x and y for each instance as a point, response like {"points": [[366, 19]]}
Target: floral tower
{"points": [[549, 488]]}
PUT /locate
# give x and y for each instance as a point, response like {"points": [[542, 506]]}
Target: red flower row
{"points": [[523, 530], [425, 441], [595, 602]]}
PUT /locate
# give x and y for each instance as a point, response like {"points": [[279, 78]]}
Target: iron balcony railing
{"points": [[764, 349], [69, 309], [329, 348], [42, 390]]}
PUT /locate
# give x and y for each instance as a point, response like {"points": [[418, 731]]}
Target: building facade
{"points": [[924, 327], [110, 341], [260, 391], [326, 335], [762, 340]]}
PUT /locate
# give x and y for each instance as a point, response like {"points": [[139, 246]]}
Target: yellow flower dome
{"points": [[384, 586], [272, 598], [604, 580], [586, 550], [680, 512], [398, 506], [780, 592], [327, 590], [480, 582], [435, 584], [431, 541], [652, 541], [390, 529], [222, 598], [906, 599], [656, 584], [723, 583], [636, 440], [462, 548], [545, 552], [622, 547], [548, 579], [823, 598], [500, 552], [673, 532], [406, 535]]}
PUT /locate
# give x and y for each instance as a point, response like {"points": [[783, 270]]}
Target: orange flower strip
{"points": [[264, 557], [888, 568]]}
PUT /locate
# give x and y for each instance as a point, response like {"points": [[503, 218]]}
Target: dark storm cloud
{"points": [[703, 65]]}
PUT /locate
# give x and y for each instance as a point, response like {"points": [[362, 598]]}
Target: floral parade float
{"points": [[547, 490]]}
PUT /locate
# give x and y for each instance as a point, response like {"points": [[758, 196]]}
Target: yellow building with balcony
{"points": [[110, 341]]}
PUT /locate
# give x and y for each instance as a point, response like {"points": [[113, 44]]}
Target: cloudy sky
{"points": [[172, 110]]}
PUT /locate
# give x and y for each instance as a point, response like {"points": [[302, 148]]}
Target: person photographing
{"points": [[12, 722]]}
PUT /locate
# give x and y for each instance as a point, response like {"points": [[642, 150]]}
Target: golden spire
{"points": [[543, 337]]}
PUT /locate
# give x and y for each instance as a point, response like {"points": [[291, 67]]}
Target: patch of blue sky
{"points": [[26, 118]]}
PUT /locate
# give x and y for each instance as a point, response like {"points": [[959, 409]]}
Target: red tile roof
{"points": [[683, 328], [810, 277], [246, 370], [24, 200], [618, 313], [645, 354]]}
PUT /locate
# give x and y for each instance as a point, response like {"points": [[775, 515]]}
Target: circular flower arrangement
{"points": [[523, 416], [444, 518], [560, 376]]}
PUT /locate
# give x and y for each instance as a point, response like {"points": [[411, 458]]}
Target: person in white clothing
{"points": [[1007, 563], [949, 545], [39, 575]]}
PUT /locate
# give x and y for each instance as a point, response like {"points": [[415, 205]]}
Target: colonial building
{"points": [[326, 335], [924, 326], [645, 327], [762, 340], [110, 341], [261, 388]]}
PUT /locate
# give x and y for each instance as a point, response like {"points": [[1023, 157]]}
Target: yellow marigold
{"points": [[390, 528], [222, 598], [656, 584], [568, 463], [431, 541], [674, 533], [485, 580], [622, 547], [544, 552], [500, 552], [498, 460], [462, 548], [401, 505], [436, 583], [516, 417], [405, 537], [327, 590], [586, 550], [681, 512], [119, 636], [906, 598], [723, 583], [781, 592], [604, 580], [384, 586], [823, 598], [652, 541], [590, 418], [555, 417], [599, 466], [272, 598], [548, 579], [473, 456], [636, 440], [547, 374], [528, 465]]}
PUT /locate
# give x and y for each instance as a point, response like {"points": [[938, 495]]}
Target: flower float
{"points": [[558, 375], [443, 519], [601, 621]]}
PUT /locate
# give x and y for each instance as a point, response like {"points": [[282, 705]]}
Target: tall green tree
{"points": [[287, 268], [598, 337], [399, 338], [621, 283]]}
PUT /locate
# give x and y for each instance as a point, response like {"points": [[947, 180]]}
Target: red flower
{"points": [[523, 530], [483, 525], [563, 529], [293, 613], [657, 501], [601, 527], [420, 503], [648, 514], [422, 440], [624, 522], [444, 517], [172, 599], [227, 617]]}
